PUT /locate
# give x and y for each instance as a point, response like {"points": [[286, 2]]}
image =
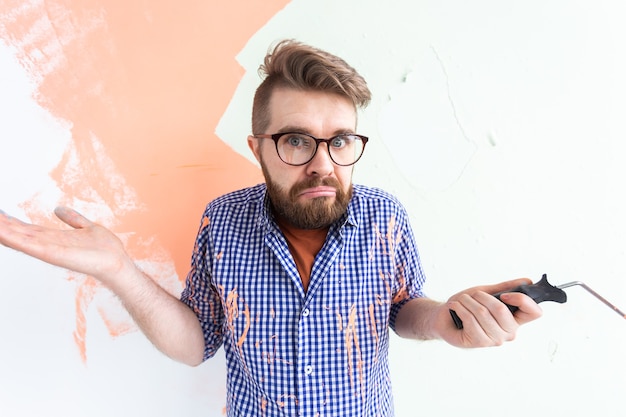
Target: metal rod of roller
{"points": [[595, 294]]}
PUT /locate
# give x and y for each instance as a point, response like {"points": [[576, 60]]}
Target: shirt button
{"points": [[305, 312], [308, 370]]}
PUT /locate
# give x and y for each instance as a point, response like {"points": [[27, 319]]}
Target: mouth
{"points": [[316, 192]]}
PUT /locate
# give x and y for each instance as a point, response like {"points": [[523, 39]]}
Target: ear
{"points": [[255, 146]]}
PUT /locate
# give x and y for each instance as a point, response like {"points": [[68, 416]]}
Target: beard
{"points": [[314, 213]]}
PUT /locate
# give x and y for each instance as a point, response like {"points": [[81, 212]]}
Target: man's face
{"points": [[316, 194]]}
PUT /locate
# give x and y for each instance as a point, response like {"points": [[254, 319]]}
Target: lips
{"points": [[320, 191]]}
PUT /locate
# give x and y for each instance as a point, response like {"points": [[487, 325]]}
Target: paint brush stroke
{"points": [[142, 86]]}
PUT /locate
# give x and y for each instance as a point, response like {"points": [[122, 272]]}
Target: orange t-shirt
{"points": [[304, 244]]}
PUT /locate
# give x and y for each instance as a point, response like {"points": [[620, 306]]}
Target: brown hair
{"points": [[292, 64]]}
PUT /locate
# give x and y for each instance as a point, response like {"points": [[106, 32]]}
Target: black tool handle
{"points": [[539, 292]]}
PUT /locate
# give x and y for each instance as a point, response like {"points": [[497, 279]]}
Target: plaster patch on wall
{"points": [[420, 126]]}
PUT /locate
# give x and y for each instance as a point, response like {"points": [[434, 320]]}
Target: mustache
{"points": [[314, 182]]}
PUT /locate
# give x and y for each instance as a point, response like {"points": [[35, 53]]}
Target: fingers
{"points": [[4, 216], [486, 320], [72, 218], [87, 248], [4, 219], [39, 241], [9, 227], [528, 310], [67, 215], [503, 286], [17, 234]]}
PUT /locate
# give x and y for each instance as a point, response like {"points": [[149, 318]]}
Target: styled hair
{"points": [[294, 65]]}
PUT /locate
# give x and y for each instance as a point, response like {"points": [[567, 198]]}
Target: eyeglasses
{"points": [[300, 148]]}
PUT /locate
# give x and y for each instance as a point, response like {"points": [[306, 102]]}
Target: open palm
{"points": [[87, 248]]}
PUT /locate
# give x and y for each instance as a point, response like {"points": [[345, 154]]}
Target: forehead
{"points": [[316, 112]]}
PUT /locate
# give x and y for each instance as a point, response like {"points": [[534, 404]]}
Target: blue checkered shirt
{"points": [[291, 353]]}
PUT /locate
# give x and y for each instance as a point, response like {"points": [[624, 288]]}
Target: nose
{"points": [[321, 164]]}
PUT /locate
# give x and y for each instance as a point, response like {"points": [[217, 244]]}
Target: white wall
{"points": [[499, 124]]}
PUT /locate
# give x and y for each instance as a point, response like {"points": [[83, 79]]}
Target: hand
{"points": [[92, 249], [88, 248], [486, 320]]}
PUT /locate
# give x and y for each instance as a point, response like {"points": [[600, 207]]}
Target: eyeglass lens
{"points": [[298, 148]]}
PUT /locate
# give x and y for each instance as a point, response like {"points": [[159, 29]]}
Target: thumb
{"points": [[72, 217]]}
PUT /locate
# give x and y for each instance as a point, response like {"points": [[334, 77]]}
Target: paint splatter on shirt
{"points": [[317, 352]]}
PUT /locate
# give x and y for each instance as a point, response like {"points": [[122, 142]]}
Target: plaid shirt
{"points": [[291, 353]]}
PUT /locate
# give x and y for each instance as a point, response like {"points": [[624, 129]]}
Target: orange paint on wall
{"points": [[144, 83], [150, 80], [85, 291]]}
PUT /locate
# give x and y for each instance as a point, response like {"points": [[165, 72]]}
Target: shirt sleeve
{"points": [[409, 276], [199, 293]]}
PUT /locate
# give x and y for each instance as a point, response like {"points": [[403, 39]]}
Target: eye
{"points": [[297, 141], [342, 141]]}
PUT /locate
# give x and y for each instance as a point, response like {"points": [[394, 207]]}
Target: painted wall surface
{"points": [[499, 124]]}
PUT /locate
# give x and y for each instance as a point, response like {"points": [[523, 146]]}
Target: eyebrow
{"points": [[300, 129]]}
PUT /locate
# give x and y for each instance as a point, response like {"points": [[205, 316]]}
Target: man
{"points": [[299, 278]]}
